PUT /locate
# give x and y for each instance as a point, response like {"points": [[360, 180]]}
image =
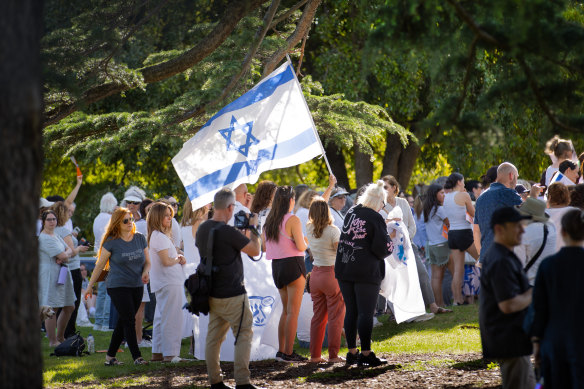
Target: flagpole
{"points": [[311, 119]]}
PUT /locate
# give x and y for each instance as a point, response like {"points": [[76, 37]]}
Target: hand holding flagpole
{"points": [[77, 166]]}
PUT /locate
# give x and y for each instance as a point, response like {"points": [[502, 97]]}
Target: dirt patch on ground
{"points": [[402, 371]]}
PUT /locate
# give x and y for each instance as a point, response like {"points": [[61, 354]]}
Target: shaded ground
{"points": [[402, 371]]}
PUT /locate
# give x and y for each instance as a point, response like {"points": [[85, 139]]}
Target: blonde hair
{"points": [[305, 198], [374, 196], [190, 217], [156, 217], [319, 216], [113, 229]]}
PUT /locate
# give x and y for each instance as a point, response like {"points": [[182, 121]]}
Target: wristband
{"points": [[255, 231]]}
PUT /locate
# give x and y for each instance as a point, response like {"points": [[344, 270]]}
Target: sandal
{"points": [[442, 310], [113, 362], [140, 361]]}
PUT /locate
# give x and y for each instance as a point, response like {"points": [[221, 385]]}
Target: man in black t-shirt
{"points": [[229, 305], [504, 298]]}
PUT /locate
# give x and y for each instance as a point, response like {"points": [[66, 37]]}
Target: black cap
{"points": [[520, 189], [507, 215]]}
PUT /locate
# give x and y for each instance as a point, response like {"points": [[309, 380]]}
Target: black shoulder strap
{"points": [[210, 242], [537, 255]]}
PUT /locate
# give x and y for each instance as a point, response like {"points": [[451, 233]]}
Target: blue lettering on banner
{"points": [[259, 305]]}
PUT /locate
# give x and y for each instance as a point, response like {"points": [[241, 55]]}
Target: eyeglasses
{"points": [[51, 219], [133, 202], [128, 220]]}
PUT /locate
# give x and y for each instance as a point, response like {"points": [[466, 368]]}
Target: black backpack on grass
{"points": [[73, 346]]}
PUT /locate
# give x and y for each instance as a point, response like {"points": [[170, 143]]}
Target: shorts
{"points": [[287, 270], [460, 239], [438, 254]]}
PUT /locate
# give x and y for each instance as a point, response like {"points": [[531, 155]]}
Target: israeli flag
{"points": [[269, 127], [559, 177]]}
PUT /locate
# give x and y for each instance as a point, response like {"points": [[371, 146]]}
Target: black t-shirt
{"points": [[228, 279], [502, 278]]}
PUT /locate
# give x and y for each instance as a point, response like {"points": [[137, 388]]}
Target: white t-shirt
{"points": [[556, 215], [238, 207], [338, 218], [191, 251], [176, 234], [302, 214], [323, 249], [142, 227], [160, 275], [99, 224], [530, 244]]}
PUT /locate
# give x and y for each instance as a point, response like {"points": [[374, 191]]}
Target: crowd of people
{"points": [[515, 244]]}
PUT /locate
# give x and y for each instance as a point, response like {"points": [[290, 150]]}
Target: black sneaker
{"points": [[220, 385], [370, 360], [293, 358], [299, 357], [247, 386], [280, 356], [352, 359]]}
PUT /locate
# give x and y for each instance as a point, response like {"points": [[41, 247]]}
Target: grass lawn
{"points": [[455, 333]]}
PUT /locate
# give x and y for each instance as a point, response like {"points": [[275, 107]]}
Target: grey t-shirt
{"points": [[126, 261], [74, 262]]}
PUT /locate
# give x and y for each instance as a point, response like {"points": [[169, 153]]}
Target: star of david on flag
{"points": [[268, 127]]}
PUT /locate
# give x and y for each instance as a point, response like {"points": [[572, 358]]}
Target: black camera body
{"points": [[241, 220]]}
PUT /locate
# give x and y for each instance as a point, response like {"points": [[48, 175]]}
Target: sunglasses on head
{"points": [[128, 220], [133, 202]]}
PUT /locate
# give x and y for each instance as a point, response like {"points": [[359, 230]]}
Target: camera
{"points": [[241, 220]]}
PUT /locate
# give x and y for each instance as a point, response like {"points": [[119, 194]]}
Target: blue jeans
{"points": [[102, 306]]}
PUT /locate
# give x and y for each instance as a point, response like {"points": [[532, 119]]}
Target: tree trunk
{"points": [[20, 168], [337, 161], [363, 168], [399, 161]]}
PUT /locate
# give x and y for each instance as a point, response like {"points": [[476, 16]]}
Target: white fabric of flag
{"points": [[269, 127]]}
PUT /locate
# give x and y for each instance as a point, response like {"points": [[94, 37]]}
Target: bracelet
{"points": [[255, 231]]}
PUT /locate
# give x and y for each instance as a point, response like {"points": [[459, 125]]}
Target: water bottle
{"points": [[90, 344]]}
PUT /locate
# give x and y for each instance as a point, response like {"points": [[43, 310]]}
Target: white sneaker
{"points": [[145, 343], [376, 323], [424, 317]]}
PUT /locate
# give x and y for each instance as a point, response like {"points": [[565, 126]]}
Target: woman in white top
{"points": [[437, 249], [457, 204], [54, 253], [328, 304], [559, 150], [558, 200], [190, 222], [167, 282]]}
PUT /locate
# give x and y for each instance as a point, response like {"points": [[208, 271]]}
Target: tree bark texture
{"points": [[20, 170], [399, 161], [337, 161], [233, 14], [363, 168]]}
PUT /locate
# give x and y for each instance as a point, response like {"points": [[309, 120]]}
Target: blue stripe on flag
{"points": [[263, 91], [222, 177], [559, 177]]}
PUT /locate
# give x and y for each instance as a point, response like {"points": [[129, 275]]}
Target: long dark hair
{"points": [[280, 207], [263, 196], [431, 201]]}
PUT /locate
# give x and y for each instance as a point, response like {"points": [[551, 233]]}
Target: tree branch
{"points": [[471, 57], [302, 29], [287, 14], [540, 100], [301, 53], [483, 35], [259, 37], [233, 14]]}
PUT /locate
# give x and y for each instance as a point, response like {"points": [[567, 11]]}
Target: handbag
{"points": [[104, 273]]}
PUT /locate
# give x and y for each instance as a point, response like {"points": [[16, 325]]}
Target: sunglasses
{"points": [[128, 220], [175, 204], [133, 202], [50, 219]]}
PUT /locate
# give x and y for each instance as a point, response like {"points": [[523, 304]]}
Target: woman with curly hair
{"points": [[558, 203], [262, 201]]}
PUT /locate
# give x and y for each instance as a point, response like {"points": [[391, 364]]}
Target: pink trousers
{"points": [[328, 306]]}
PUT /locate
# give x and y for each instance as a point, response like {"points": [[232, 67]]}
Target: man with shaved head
{"points": [[240, 200], [501, 193]]}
